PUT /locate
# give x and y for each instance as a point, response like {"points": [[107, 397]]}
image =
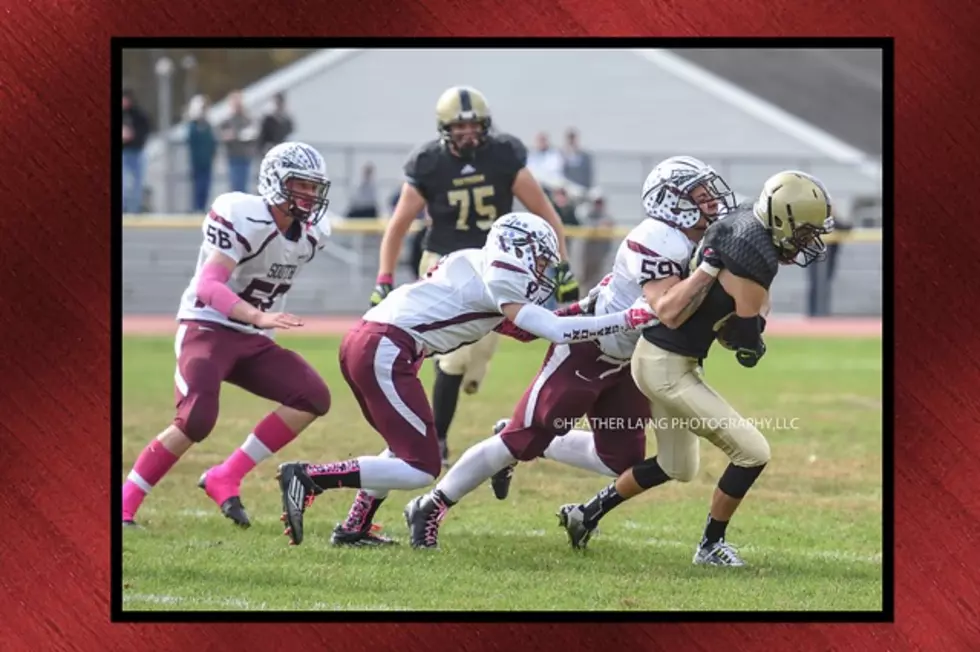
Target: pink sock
{"points": [[152, 464], [269, 436]]}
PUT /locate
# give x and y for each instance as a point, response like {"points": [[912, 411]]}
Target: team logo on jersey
{"points": [[281, 272], [468, 169]]}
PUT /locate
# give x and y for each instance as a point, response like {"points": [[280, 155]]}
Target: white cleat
{"points": [[718, 553]]}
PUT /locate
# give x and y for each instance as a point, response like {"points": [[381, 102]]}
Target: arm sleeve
{"points": [[562, 330], [213, 290]]}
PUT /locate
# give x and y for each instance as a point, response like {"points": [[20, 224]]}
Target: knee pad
{"points": [[196, 416], [649, 474], [737, 480]]}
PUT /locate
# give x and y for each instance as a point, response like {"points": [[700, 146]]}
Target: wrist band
{"points": [[709, 269]]}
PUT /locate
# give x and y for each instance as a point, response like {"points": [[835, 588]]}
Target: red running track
{"points": [[795, 326]]}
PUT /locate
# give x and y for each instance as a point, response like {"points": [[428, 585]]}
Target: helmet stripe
{"points": [[465, 103]]}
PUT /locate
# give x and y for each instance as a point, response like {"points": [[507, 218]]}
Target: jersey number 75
{"points": [[476, 198]]}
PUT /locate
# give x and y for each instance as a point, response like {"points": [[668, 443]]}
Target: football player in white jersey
{"points": [[253, 248], [593, 378], [466, 295], [744, 251]]}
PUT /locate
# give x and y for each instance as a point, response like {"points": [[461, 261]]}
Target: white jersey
{"points": [[241, 227], [458, 302], [653, 250]]}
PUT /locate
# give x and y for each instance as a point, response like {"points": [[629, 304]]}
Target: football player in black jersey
{"points": [[466, 178], [743, 252]]}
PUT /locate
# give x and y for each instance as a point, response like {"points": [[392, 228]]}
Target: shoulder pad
{"points": [[745, 247], [512, 147], [657, 239], [424, 159], [503, 262]]}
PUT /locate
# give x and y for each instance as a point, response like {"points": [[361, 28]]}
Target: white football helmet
{"points": [[295, 161], [531, 240], [668, 188]]}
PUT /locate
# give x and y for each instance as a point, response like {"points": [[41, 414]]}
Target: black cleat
{"points": [[231, 508], [500, 481], [298, 491], [572, 518], [357, 538], [423, 515]]}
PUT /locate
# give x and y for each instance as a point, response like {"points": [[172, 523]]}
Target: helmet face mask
{"points": [[797, 210], [306, 198], [530, 239], [293, 178], [682, 191], [463, 119]]}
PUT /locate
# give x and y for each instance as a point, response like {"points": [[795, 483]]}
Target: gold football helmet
{"points": [[463, 118], [797, 210]]}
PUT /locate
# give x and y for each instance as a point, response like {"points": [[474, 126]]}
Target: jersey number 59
{"points": [[475, 197], [656, 269]]}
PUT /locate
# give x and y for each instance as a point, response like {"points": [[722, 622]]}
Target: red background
{"points": [[55, 266]]}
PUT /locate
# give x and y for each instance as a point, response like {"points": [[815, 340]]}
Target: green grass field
{"points": [[810, 529]]}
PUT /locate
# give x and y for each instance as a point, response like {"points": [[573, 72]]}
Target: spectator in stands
{"points": [[135, 131], [238, 133], [276, 126], [545, 163], [202, 147], [577, 163], [592, 214], [564, 206], [364, 201]]}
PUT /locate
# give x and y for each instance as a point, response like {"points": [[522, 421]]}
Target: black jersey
{"points": [[465, 196], [745, 247]]}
